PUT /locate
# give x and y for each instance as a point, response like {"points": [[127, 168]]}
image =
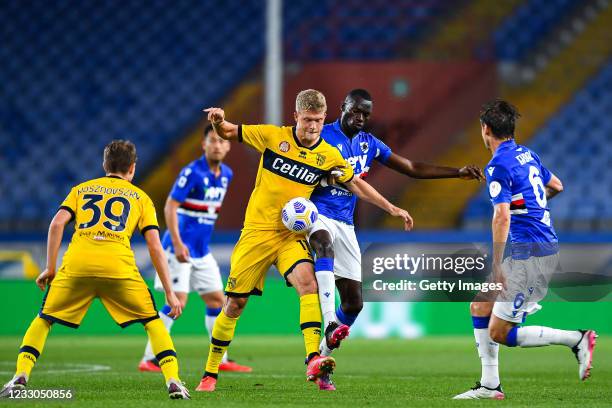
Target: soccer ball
{"points": [[299, 215]]}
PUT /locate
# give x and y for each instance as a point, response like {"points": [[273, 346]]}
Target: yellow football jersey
{"points": [[105, 212], [286, 170]]}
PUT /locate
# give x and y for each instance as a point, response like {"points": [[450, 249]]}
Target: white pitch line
{"points": [[249, 375], [62, 368]]}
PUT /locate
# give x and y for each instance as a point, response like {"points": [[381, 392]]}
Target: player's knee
{"points": [[308, 288], [234, 306], [481, 308], [322, 245], [498, 334], [214, 300]]}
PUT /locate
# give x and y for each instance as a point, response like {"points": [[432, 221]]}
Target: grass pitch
{"points": [[425, 372]]}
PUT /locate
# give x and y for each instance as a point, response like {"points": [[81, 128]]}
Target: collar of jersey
{"points": [[113, 176], [297, 141], [507, 145]]}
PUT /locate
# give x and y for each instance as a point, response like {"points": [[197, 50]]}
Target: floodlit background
{"points": [[75, 75]]}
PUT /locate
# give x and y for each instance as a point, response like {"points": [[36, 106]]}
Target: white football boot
{"points": [[176, 390], [18, 383], [482, 392]]}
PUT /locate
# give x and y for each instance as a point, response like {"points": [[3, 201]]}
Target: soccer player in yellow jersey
{"points": [[99, 263], [293, 162]]}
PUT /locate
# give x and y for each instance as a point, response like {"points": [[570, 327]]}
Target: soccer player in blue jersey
{"points": [[333, 236], [519, 187], [191, 211]]}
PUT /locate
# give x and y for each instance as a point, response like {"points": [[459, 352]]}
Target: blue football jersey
{"points": [[201, 194], [336, 202], [515, 175]]}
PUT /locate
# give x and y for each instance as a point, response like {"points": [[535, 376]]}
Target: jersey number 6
{"points": [[120, 220]]}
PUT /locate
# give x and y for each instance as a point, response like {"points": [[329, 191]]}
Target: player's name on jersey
{"points": [[427, 285], [115, 191]]}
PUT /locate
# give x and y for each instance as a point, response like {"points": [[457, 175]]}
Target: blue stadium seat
{"points": [[533, 20]]}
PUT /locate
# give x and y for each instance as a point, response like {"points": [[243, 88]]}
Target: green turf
{"points": [[425, 372]]}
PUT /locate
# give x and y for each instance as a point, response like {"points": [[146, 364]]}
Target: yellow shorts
{"points": [[127, 300], [256, 251]]}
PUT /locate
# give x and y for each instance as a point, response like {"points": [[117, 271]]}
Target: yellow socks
{"points": [[310, 323], [32, 345], [163, 348], [222, 335]]}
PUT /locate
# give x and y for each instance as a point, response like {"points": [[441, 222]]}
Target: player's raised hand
{"points": [[175, 305], [471, 172], [216, 116], [45, 278], [403, 214], [182, 253]]}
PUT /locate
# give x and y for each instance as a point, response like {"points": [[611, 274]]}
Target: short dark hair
{"points": [[359, 93], [500, 116], [209, 128], [119, 155]]}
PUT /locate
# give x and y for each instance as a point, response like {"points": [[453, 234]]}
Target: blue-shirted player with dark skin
{"points": [[519, 187], [191, 211], [333, 239]]}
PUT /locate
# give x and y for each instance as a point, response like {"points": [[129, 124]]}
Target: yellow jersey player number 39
{"points": [[294, 159], [99, 263]]}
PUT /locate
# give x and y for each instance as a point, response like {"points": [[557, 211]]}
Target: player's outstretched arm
{"points": [[553, 187], [54, 241], [431, 171], [158, 257], [225, 129], [366, 192], [180, 249]]}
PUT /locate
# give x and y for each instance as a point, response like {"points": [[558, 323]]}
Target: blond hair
{"points": [[310, 100]]}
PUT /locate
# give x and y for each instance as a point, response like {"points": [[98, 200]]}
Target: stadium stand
{"points": [[355, 29], [528, 25], [86, 72]]}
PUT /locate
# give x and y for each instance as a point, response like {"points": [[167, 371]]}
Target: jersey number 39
{"points": [[113, 222]]}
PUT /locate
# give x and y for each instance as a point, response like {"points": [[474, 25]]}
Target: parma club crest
{"points": [[320, 159]]}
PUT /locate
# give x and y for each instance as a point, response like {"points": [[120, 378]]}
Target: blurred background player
{"points": [[519, 187], [294, 160], [99, 263], [191, 211], [333, 235]]}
